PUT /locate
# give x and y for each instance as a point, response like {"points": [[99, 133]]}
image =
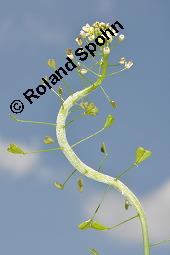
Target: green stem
{"points": [[102, 162], [47, 150], [103, 197], [32, 122], [85, 169], [68, 178], [124, 172], [111, 74], [117, 225], [161, 242], [88, 137], [76, 118]]}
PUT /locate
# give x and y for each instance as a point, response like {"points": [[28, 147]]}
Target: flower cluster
{"points": [[91, 32]]}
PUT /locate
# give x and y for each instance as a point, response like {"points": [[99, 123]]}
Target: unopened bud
{"points": [[83, 71], [122, 61], [106, 50], [52, 63], [69, 53], [79, 41], [121, 38]]}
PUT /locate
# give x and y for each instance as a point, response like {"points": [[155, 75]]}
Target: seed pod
{"points": [[103, 148], [59, 185], [80, 184]]}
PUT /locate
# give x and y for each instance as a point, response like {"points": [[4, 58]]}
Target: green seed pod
{"points": [[109, 121], [103, 148], [13, 148], [48, 140], [59, 185], [80, 184], [113, 104], [60, 90], [93, 252]]}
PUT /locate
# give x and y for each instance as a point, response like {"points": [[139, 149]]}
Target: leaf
{"points": [[109, 121], [96, 225], [48, 140], [103, 148], [85, 225], [59, 185], [113, 104], [90, 108], [141, 155], [52, 63], [13, 148], [94, 252], [80, 184]]}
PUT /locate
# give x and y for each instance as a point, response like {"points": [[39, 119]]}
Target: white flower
{"points": [[106, 50], [83, 71], [86, 28], [121, 38], [128, 64], [122, 61], [83, 34]]}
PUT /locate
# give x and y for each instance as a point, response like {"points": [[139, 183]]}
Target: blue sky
{"points": [[35, 218]]}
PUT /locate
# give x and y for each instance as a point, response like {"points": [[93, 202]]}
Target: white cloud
{"points": [[17, 164], [157, 209], [22, 165]]}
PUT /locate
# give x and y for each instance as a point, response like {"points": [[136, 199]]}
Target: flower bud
{"points": [[79, 41], [69, 53], [52, 63], [106, 50], [83, 71], [121, 38], [122, 61]]}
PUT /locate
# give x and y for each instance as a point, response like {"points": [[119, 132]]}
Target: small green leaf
{"points": [[80, 184], [109, 121], [96, 225], [90, 108], [58, 185], [85, 225], [141, 155], [103, 148], [48, 140], [94, 252], [52, 63], [13, 148], [113, 104]]}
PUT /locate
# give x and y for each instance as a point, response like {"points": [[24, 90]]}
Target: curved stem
{"points": [[85, 169]]}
